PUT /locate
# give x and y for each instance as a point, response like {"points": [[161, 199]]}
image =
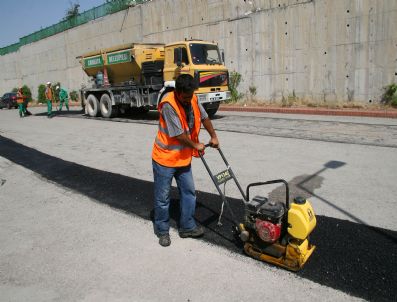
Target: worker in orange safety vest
{"points": [[20, 102], [49, 95], [176, 142]]}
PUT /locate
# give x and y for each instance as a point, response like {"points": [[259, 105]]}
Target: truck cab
{"points": [[203, 61]]}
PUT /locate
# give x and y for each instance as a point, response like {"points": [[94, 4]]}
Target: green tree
{"points": [[74, 96], [41, 93], [26, 92], [389, 97], [235, 79], [72, 11]]}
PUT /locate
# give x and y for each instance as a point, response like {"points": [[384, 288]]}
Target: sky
{"points": [[19, 18]]}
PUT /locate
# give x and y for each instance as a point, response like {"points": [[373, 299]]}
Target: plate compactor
{"points": [[272, 231]]}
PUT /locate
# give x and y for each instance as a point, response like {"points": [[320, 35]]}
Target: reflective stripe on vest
{"points": [[169, 147], [165, 130]]}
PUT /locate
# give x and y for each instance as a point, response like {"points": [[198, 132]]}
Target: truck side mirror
{"points": [[223, 56], [178, 53]]}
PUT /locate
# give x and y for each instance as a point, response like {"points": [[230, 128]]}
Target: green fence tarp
{"points": [[10, 48], [89, 15]]}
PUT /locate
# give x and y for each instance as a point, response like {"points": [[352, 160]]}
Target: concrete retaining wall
{"points": [[321, 50]]}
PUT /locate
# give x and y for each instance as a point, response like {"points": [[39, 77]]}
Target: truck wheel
{"points": [[212, 110], [143, 110], [92, 105], [107, 110]]}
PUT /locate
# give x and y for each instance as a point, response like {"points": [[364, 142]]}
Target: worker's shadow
{"points": [[347, 257]]}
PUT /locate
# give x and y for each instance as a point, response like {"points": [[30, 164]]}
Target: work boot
{"points": [[164, 240], [196, 232]]}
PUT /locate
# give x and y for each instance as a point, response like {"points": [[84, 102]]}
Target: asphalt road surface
{"points": [[76, 208]]}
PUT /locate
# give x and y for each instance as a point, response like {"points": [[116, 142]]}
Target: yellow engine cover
{"points": [[301, 220]]}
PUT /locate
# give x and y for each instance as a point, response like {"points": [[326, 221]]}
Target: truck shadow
{"points": [[352, 257], [128, 117], [150, 116]]}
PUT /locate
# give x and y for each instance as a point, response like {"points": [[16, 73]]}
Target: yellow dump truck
{"points": [[137, 76]]}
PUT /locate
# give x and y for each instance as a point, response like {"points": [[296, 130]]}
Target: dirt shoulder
{"points": [[368, 112], [385, 112]]}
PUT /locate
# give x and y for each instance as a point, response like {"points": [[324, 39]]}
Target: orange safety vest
{"points": [[48, 93], [168, 151], [19, 98]]}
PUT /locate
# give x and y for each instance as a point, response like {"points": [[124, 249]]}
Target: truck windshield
{"points": [[205, 54]]}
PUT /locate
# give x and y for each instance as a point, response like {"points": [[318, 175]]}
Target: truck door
{"points": [[171, 69]]}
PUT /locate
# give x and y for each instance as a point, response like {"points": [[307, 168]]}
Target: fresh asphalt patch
{"points": [[352, 257]]}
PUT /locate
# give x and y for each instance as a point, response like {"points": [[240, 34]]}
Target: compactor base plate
{"points": [[294, 257]]}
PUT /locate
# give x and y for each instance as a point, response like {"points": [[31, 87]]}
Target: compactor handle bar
{"points": [[245, 196], [229, 169], [268, 183]]}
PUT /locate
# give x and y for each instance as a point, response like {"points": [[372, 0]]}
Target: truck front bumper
{"points": [[213, 97]]}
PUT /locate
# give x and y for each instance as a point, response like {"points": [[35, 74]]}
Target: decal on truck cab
{"points": [[213, 78]]}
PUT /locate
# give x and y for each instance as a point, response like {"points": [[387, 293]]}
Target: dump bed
{"points": [[124, 62]]}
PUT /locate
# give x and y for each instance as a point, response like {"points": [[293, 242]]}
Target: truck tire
{"points": [[107, 110], [144, 109], [92, 105], [212, 109]]}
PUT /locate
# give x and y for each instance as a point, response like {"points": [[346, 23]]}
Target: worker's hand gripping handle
{"points": [[201, 153], [222, 178], [205, 146]]}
